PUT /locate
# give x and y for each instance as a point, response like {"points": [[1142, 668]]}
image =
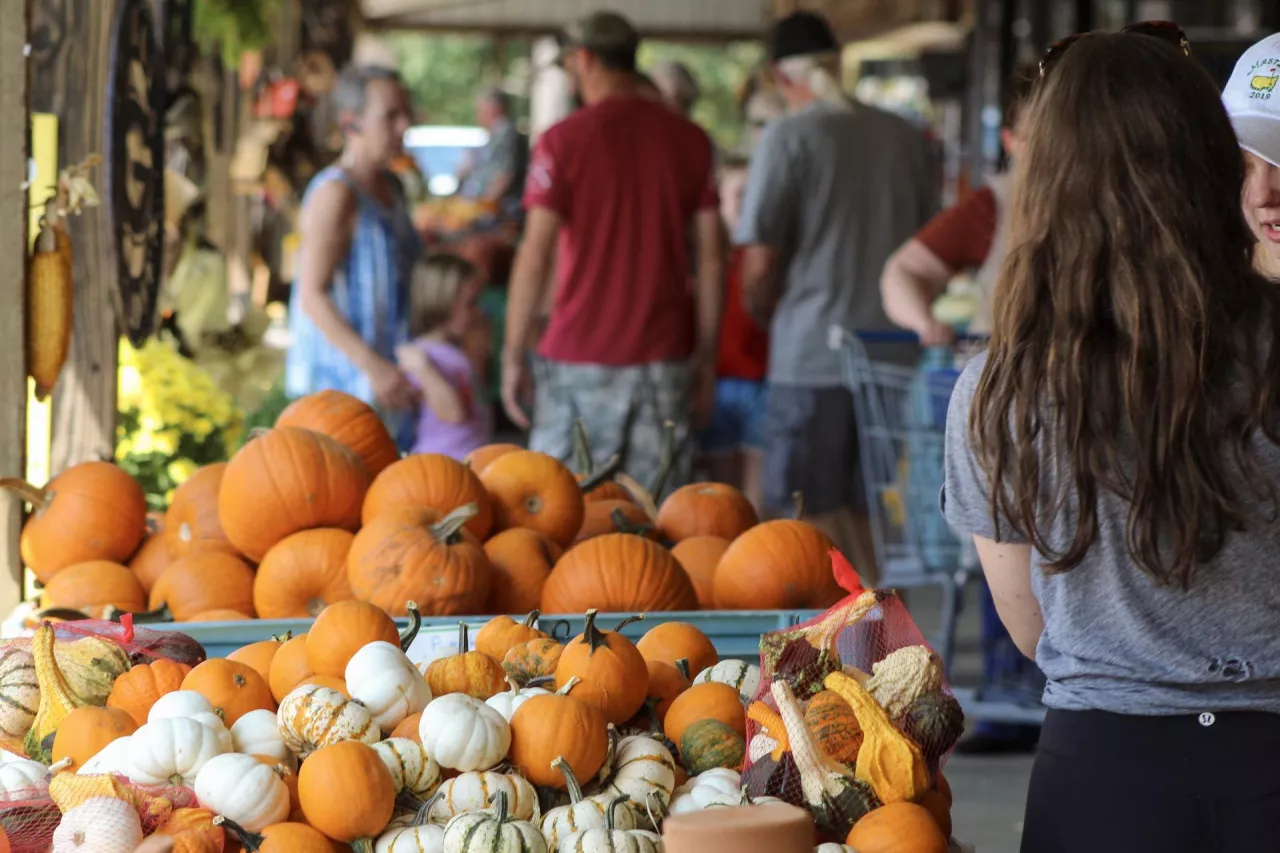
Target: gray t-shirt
{"points": [[835, 192], [1113, 639]]}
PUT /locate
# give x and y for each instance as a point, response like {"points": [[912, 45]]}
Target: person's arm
{"points": [[768, 208], [526, 295], [1008, 571], [913, 278], [438, 392], [709, 304], [761, 283]]}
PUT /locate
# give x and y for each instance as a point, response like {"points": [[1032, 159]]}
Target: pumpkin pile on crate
{"points": [[321, 509]]}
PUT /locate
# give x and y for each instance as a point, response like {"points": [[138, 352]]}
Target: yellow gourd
{"points": [[888, 760], [56, 698], [771, 723]]}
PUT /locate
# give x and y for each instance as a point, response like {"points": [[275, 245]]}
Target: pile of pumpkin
{"points": [[321, 509]]}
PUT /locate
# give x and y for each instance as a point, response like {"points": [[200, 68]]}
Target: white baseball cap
{"points": [[1252, 99]]}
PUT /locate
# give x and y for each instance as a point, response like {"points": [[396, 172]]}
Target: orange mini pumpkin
{"points": [[545, 728], [367, 798], [303, 573], [153, 557], [86, 731], [501, 633], [93, 586], [666, 682], [673, 641], [618, 573], [286, 480], [706, 509], [138, 689], [614, 516], [479, 459], [259, 655], [430, 481], [330, 681], [699, 556], [471, 672], [533, 490], [204, 581], [219, 614], [91, 511], [409, 728], [614, 677], [288, 837], [192, 520], [289, 667], [348, 421], [522, 561], [706, 701], [233, 689], [344, 629], [193, 831], [898, 827], [413, 554], [778, 565], [534, 659]]}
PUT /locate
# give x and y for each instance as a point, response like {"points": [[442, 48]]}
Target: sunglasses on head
{"points": [[1166, 31]]}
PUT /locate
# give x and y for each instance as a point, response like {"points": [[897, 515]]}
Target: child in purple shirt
{"points": [[444, 304]]}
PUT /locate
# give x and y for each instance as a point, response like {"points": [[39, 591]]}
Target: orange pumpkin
{"points": [[302, 574], [204, 581], [409, 728], [233, 689], [614, 677], [597, 482], [606, 491], [898, 828], [348, 421], [706, 701], [479, 459], [473, 673], [835, 726], [193, 831], [220, 614], [91, 511], [501, 633], [86, 731], [673, 641], [367, 794], [534, 659], [344, 629], [545, 728], [942, 786], [937, 806], [286, 480], [289, 667], [192, 518], [533, 490], [618, 573], [286, 837], [699, 556], [94, 585], [778, 565], [522, 560], [153, 557], [430, 481], [259, 655], [138, 689], [414, 554], [706, 509], [614, 516], [666, 682], [330, 681]]}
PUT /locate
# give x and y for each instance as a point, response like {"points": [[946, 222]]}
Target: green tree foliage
{"points": [[721, 72]]}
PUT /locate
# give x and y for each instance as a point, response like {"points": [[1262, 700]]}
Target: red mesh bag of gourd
{"points": [[853, 712]]}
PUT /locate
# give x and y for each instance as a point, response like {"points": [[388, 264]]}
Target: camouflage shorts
{"points": [[623, 410]]}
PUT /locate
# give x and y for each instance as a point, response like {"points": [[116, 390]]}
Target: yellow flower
{"points": [[124, 448], [143, 442], [181, 469], [166, 442]]}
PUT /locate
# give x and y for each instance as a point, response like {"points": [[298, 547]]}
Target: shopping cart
{"points": [[901, 411]]}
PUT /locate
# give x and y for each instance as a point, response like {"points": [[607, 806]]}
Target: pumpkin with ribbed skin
{"points": [[699, 556], [313, 717], [615, 679], [338, 684], [347, 792], [618, 573], [233, 689], [348, 421], [835, 726], [413, 553], [778, 565], [935, 722], [204, 581], [91, 511], [710, 701], [471, 672], [553, 726], [219, 614], [740, 675], [895, 828], [93, 586], [286, 480], [582, 813], [470, 791], [191, 826], [430, 481], [303, 574], [152, 558], [614, 516], [535, 491], [343, 629], [666, 682], [135, 691], [86, 731], [522, 561], [706, 509], [412, 770], [710, 743], [19, 692], [289, 667], [501, 633], [192, 521], [479, 459], [408, 728], [288, 837], [493, 830], [534, 659], [673, 641], [259, 655]]}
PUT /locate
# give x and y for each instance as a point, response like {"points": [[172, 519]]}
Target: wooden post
{"points": [[13, 265]]}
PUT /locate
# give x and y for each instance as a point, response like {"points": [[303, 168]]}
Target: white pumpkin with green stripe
{"points": [[645, 772], [581, 814], [19, 693], [492, 831], [741, 676], [610, 838], [473, 791], [313, 716], [412, 770], [414, 833]]}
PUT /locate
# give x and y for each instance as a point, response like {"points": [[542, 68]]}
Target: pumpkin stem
{"points": [[160, 614], [531, 619], [447, 529], [683, 666], [602, 476], [638, 493], [622, 524], [499, 801], [540, 680], [60, 765], [639, 617], [463, 645], [362, 845], [513, 684], [612, 738], [258, 432], [422, 816], [408, 635], [60, 614], [666, 460], [34, 495], [592, 635], [571, 783], [581, 449], [609, 821], [573, 682], [797, 511], [251, 841], [283, 638]]}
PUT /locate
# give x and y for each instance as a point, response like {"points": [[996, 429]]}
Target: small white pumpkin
{"points": [[258, 733], [113, 758], [719, 786], [413, 771], [244, 790], [411, 834], [492, 831], [19, 692], [832, 847], [645, 772], [23, 773], [190, 705], [312, 716], [462, 733], [172, 751], [471, 792], [741, 676], [582, 813], [98, 825], [610, 838], [380, 677], [506, 702]]}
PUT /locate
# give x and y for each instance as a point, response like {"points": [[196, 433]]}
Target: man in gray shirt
{"points": [[835, 187]]}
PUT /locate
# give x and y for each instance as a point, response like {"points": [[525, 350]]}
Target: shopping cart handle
{"points": [[837, 334]]}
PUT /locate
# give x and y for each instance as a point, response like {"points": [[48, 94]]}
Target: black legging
{"points": [[1106, 783]]}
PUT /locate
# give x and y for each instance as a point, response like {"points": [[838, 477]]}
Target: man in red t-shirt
{"points": [[612, 194]]}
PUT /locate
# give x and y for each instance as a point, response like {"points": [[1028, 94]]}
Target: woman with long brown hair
{"points": [[1115, 458]]}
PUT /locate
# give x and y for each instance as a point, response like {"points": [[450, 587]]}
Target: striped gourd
{"points": [[581, 814], [474, 791], [644, 771], [741, 676], [610, 839], [19, 692], [313, 716], [492, 831], [412, 770], [413, 833]]}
